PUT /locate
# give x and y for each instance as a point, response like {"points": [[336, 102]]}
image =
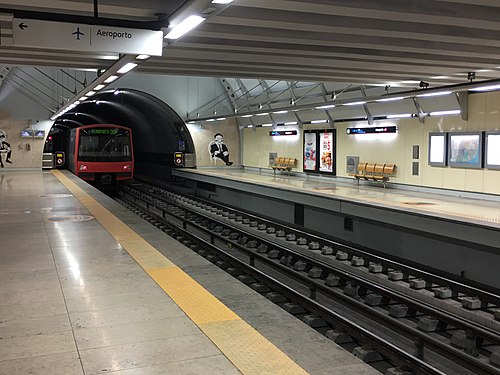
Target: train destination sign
{"points": [[372, 130], [86, 38]]}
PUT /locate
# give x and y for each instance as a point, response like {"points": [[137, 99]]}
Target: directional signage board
{"points": [[86, 38]]}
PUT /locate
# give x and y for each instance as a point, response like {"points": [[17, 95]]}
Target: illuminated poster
{"points": [[310, 152], [326, 152]]}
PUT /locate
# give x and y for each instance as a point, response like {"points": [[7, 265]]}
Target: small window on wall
{"points": [[492, 150], [437, 149], [465, 150]]}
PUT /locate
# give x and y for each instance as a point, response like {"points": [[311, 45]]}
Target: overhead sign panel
{"points": [[86, 38]]}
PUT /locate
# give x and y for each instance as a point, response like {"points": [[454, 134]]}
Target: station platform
{"points": [[88, 287], [451, 233], [472, 208]]}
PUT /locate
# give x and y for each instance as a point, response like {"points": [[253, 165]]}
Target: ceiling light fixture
{"points": [[280, 112], [326, 106], [486, 88], [319, 121], [184, 26], [355, 103], [126, 68], [99, 87], [222, 1], [142, 57], [267, 125], [110, 79], [445, 113], [402, 115], [390, 99], [437, 93]]}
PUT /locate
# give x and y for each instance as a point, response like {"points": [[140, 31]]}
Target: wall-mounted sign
{"points": [[326, 144], [179, 159], [437, 149], [465, 149], [373, 130], [320, 151], [310, 152], [60, 158], [275, 133], [493, 150], [87, 38]]}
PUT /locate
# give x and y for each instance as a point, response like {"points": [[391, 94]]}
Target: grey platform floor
{"points": [[72, 301]]}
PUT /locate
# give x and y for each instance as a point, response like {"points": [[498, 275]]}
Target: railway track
{"points": [[400, 319]]}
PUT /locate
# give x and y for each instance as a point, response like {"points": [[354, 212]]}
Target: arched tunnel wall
{"points": [[158, 131]]}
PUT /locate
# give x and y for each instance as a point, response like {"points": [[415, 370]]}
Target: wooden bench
{"points": [[284, 164], [379, 172]]}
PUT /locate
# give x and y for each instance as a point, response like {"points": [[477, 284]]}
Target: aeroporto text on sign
{"points": [[86, 38]]}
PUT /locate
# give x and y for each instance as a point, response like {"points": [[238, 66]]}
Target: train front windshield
{"points": [[104, 145]]}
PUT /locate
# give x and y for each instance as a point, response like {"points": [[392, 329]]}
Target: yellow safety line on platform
{"points": [[247, 349]]}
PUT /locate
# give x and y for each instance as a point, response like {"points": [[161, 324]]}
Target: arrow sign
{"points": [[82, 37]]}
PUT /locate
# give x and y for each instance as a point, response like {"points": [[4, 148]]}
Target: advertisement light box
{"points": [[437, 149], [465, 150], [492, 150]]}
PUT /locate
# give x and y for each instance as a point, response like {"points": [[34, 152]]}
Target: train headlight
{"points": [[84, 167], [127, 167]]}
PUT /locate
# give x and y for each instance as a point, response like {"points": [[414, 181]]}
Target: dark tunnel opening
{"points": [[158, 131]]}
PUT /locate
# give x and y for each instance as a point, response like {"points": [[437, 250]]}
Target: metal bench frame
{"points": [[378, 172], [283, 164]]}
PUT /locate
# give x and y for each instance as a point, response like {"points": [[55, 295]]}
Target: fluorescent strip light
{"points": [[245, 116], [437, 93], [211, 120], [291, 123], [90, 93], [318, 121], [142, 57], [445, 113], [111, 79], [185, 26], [83, 98], [126, 68], [77, 102], [222, 1], [220, 118], [280, 112], [326, 106], [402, 115], [250, 126], [355, 103], [99, 87], [262, 114], [267, 125], [390, 99], [441, 77], [486, 88]]}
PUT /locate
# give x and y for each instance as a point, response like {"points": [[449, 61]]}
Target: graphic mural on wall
{"points": [[218, 149], [4, 148]]}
